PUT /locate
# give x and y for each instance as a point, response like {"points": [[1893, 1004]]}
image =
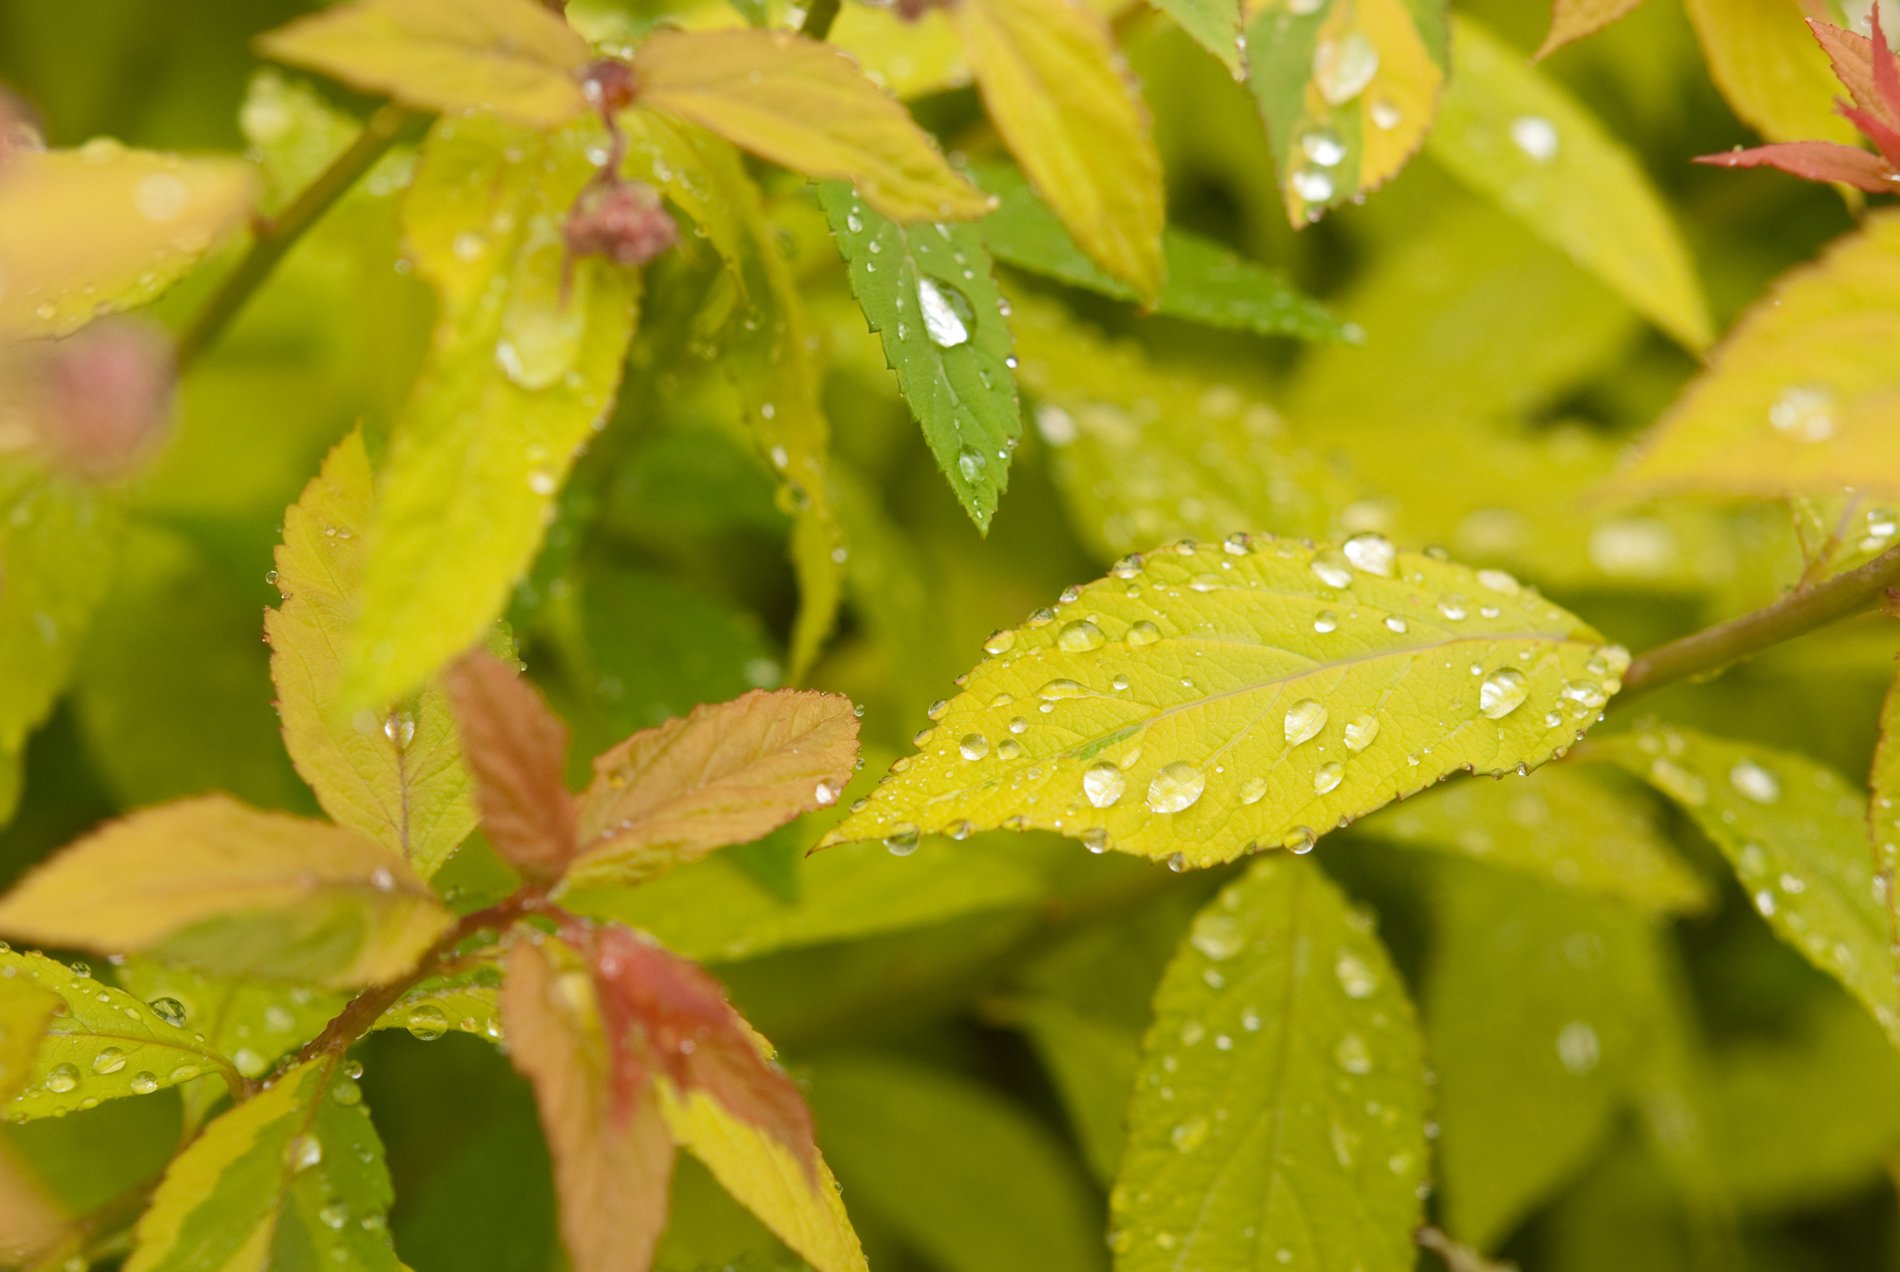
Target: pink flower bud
{"points": [[623, 221]]}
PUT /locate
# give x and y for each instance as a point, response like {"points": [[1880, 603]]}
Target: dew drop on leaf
{"points": [[974, 746], [426, 1023], [1304, 720], [1103, 784], [1755, 782], [902, 841], [948, 315], [1143, 633], [1079, 637], [1176, 787], [1502, 692], [1361, 732]]}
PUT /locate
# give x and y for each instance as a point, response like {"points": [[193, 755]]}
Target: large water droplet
{"points": [[109, 1060], [1754, 781], [1143, 633], [1372, 553], [1079, 636], [902, 841], [1535, 136], [1342, 68], [1353, 975], [426, 1022], [169, 1010], [1304, 719], [1332, 567], [972, 464], [1328, 777], [974, 746], [1103, 784], [1323, 147], [1253, 790], [1175, 787], [144, 1083], [1804, 412], [1361, 732], [1502, 692], [1312, 184], [948, 314], [62, 1078]]}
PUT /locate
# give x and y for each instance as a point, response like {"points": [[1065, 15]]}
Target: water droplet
{"points": [[1079, 636], [1103, 784], [304, 1152], [1372, 553], [1008, 749], [1175, 787], [400, 729], [1000, 642], [1353, 975], [62, 1078], [426, 1023], [825, 794], [1055, 690], [1143, 633], [1578, 1048], [1325, 621], [1502, 692], [1535, 136], [1333, 569], [1095, 839], [109, 1060], [1385, 114], [1323, 147], [948, 315], [334, 1215], [1452, 606], [1754, 781], [1299, 841], [1304, 720], [1189, 1135], [1342, 68], [1351, 1054], [169, 1010], [902, 841], [1804, 412], [1218, 936], [1328, 777], [1361, 732], [1393, 623], [1177, 862], [1253, 790], [1312, 184], [144, 1083], [974, 746], [160, 197]]}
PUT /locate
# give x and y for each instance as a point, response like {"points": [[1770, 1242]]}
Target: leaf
{"points": [[255, 1023], [806, 106], [1574, 828], [1279, 1115], [963, 1174], [526, 359], [59, 542], [102, 228], [213, 884], [1816, 161], [1205, 282], [467, 1001], [612, 1158], [1574, 19], [725, 774], [1767, 66], [517, 749], [1112, 421], [1872, 80], [92, 1042], [1883, 811], [1272, 692], [514, 58], [293, 1177], [928, 292], [1798, 398], [1347, 90], [402, 781], [1796, 833], [801, 1205], [1214, 24], [1540, 1005], [1520, 140], [1058, 91]]}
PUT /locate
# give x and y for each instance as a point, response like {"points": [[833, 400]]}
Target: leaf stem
{"points": [[1710, 650], [276, 235], [818, 19]]}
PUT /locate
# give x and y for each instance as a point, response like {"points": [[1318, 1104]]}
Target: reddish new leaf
{"points": [[1815, 160], [516, 747], [726, 774], [667, 1018], [613, 1158]]}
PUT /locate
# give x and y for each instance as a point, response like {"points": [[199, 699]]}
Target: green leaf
{"points": [[399, 778], [1796, 834], [927, 291], [1799, 397], [1205, 282], [1093, 1063], [1348, 89], [98, 1043], [1208, 700], [1279, 1116], [59, 543], [254, 1023], [1112, 420], [1540, 1005], [1514, 136], [1214, 24], [527, 357], [1575, 828], [466, 1001], [291, 1178], [969, 1178], [1574, 19]]}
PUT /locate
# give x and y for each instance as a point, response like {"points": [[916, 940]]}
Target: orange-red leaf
{"points": [[1873, 82], [613, 1159], [1817, 161], [725, 774], [516, 747]]}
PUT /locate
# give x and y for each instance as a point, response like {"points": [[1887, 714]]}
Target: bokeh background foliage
{"points": [[1630, 1069]]}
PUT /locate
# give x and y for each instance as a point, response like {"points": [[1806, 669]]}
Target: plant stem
{"points": [[819, 17], [1708, 651], [276, 235]]}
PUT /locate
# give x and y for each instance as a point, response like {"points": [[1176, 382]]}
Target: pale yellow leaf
{"points": [[808, 107], [1776, 78], [212, 883], [515, 58], [1574, 19], [1063, 99]]}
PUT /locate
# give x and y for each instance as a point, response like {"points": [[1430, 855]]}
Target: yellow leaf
{"points": [[802, 1208], [808, 107], [213, 884], [515, 58], [1063, 99], [1800, 397], [1347, 89], [726, 774], [1767, 64], [1515, 136], [1574, 19], [1209, 700], [102, 228], [399, 777]]}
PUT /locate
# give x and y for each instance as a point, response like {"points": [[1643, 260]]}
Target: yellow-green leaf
{"points": [[1279, 1113], [213, 884], [726, 774], [802, 1207], [1795, 832], [397, 777], [93, 1043], [1348, 89], [467, 1002], [1767, 64], [808, 107], [1574, 19], [1214, 24], [293, 1177], [101, 228], [515, 58], [1799, 398], [1066, 105], [526, 359], [1209, 700], [1883, 807], [1515, 136]]}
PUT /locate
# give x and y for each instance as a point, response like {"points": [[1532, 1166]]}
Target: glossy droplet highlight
{"points": [[62, 1078], [1328, 777], [948, 314], [1502, 692], [1103, 783], [1143, 633], [109, 1060], [1755, 782], [1535, 136], [1304, 720], [974, 746], [1372, 553], [1177, 786], [426, 1023], [169, 1010], [902, 841], [1080, 636], [1342, 68], [1361, 732], [1253, 790], [1332, 568], [1804, 412]]}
